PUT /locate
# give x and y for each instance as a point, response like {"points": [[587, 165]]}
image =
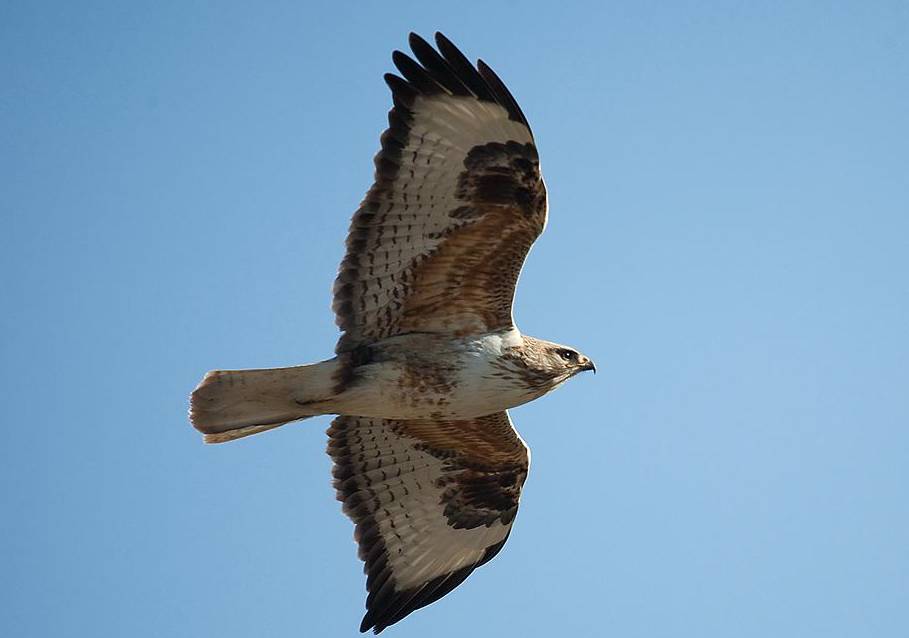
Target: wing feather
{"points": [[465, 70], [431, 500], [437, 65], [439, 241]]}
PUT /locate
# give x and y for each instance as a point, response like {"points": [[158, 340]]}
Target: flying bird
{"points": [[427, 463]]}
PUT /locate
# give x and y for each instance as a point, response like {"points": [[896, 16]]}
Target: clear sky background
{"points": [[728, 239]]}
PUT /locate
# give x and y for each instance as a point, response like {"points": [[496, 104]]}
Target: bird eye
{"points": [[568, 355]]}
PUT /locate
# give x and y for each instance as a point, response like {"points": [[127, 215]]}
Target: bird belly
{"points": [[459, 382]]}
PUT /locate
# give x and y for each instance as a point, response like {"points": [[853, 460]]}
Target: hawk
{"points": [[426, 461]]}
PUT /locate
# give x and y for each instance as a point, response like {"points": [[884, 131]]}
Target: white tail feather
{"points": [[232, 404]]}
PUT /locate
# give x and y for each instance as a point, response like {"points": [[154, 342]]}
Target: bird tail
{"points": [[232, 404]]}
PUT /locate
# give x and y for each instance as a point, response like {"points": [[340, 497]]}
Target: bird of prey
{"points": [[426, 461]]}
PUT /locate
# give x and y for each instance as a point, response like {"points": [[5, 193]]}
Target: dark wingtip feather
{"points": [[402, 91], [416, 74], [447, 71], [392, 605], [503, 95], [465, 71], [415, 40], [481, 80], [438, 68]]}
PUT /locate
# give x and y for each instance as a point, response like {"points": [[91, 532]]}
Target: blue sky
{"points": [[728, 239]]}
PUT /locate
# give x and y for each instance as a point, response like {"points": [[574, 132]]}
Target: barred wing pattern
{"points": [[439, 241], [432, 501]]}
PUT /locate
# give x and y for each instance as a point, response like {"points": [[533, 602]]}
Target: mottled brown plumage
{"points": [[404, 483], [439, 241], [426, 461]]}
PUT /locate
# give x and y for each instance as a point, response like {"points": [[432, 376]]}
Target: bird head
{"points": [[553, 363], [568, 361]]}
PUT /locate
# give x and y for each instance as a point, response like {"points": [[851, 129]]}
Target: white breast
{"points": [[427, 376], [483, 387]]}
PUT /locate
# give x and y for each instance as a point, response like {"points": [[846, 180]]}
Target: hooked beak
{"points": [[589, 365]]}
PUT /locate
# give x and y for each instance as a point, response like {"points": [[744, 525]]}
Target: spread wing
{"points": [[439, 241], [432, 501]]}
